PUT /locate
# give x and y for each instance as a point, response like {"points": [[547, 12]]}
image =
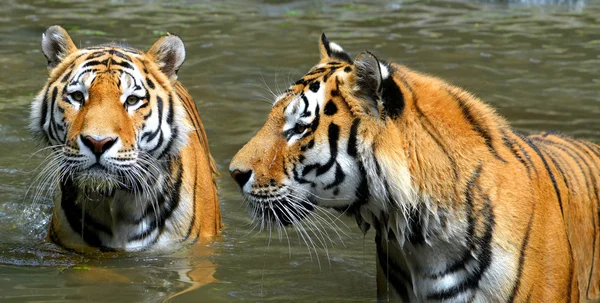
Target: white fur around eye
{"points": [[129, 87]]}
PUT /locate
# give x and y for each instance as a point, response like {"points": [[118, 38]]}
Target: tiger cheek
{"points": [[75, 119], [127, 131]]}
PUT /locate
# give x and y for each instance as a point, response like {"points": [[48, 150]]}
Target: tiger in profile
{"points": [[130, 156], [465, 209]]}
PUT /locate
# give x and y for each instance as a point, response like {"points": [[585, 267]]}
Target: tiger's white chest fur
{"points": [[427, 257], [124, 221]]}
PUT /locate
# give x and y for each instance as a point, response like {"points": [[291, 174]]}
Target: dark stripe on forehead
{"points": [[82, 73], [124, 64], [95, 55], [326, 77], [66, 77], [119, 54], [94, 63]]}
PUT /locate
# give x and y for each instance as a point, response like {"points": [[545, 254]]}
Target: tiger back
{"points": [[130, 157], [464, 208]]}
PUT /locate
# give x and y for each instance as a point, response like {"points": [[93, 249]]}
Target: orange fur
{"points": [[104, 113], [542, 191]]}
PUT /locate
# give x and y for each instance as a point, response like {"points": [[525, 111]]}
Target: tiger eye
{"points": [[77, 96], [299, 128], [132, 100]]}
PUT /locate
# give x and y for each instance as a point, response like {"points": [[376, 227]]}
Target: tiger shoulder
{"points": [[464, 208]]}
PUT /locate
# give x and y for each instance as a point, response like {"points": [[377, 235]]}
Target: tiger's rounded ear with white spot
{"points": [[56, 45], [375, 84], [168, 53], [331, 51]]}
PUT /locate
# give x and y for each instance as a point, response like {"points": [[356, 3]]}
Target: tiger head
{"points": [[309, 152], [110, 113]]}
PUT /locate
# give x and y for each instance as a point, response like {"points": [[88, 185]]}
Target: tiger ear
{"points": [[168, 53], [331, 51], [375, 84], [56, 45]]}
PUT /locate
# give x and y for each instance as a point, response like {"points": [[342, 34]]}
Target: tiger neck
{"points": [[420, 171], [120, 218]]}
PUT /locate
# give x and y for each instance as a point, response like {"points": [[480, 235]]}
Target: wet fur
{"points": [[159, 188]]}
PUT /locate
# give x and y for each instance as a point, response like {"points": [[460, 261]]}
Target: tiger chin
{"points": [[129, 155], [465, 209]]}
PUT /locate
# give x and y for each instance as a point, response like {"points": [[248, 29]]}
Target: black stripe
{"points": [[594, 182], [193, 221], [333, 135], [66, 77], [557, 161], [150, 83], [124, 64], [308, 146], [575, 157], [305, 100], [300, 82], [174, 132], [394, 274], [94, 63], [326, 77], [336, 92], [483, 260], [393, 99], [435, 135], [51, 130], [316, 71], [86, 226], [537, 151], [119, 54], [300, 179], [481, 244], [44, 111], [511, 146], [330, 108], [167, 203], [352, 147], [478, 128], [151, 135], [339, 177], [524, 244], [95, 55], [169, 145], [415, 226], [314, 86], [470, 239]]}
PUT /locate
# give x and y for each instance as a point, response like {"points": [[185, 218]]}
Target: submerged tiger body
{"points": [[130, 154], [465, 209]]}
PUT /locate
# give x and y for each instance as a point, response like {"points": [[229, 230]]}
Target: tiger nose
{"points": [[241, 177], [98, 145]]}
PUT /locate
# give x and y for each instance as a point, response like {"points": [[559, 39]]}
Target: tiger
{"points": [[130, 159], [464, 208]]}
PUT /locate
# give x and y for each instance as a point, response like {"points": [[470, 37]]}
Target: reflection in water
{"points": [[535, 61]]}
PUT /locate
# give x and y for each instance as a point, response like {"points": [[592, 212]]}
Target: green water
{"points": [[537, 62]]}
